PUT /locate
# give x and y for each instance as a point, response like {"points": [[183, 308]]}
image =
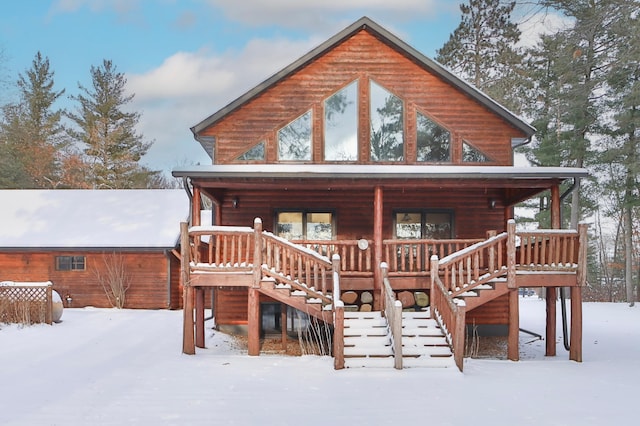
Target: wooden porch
{"points": [[459, 276]]}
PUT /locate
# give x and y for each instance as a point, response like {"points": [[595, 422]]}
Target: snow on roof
{"points": [[146, 218]]}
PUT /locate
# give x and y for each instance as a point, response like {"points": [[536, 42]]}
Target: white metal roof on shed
{"points": [[145, 218]]}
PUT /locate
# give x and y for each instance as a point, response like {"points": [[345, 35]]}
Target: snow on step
{"points": [[431, 362], [377, 362], [362, 315], [367, 351], [424, 341], [416, 315], [426, 351], [367, 341]]}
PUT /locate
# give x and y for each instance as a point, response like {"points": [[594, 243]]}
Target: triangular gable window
{"points": [[387, 125], [434, 141], [471, 154], [341, 124], [255, 153], [294, 139]]}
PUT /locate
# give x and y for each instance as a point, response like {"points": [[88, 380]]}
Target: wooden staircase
{"points": [[368, 342], [481, 294], [310, 301]]}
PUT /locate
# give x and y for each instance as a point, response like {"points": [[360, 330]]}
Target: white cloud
{"points": [[315, 14], [189, 86], [540, 24]]}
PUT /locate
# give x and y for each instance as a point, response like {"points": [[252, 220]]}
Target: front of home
{"points": [[366, 149]]}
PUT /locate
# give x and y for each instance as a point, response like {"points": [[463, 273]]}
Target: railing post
{"points": [[338, 334], [335, 275], [492, 252], [257, 252], [460, 332], [582, 254], [433, 272], [49, 315], [511, 254], [188, 342]]}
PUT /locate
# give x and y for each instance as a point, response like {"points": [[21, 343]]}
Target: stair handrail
{"points": [[393, 313], [474, 265], [450, 314]]}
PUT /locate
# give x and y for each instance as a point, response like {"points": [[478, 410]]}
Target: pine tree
{"points": [[112, 146], [482, 49], [31, 129]]}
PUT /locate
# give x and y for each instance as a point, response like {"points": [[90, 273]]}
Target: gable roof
{"points": [[363, 24], [68, 218]]}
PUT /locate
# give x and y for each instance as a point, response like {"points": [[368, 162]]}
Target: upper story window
{"points": [[434, 141], [341, 125], [304, 225], [255, 153], [70, 263], [386, 116], [294, 139], [471, 154]]}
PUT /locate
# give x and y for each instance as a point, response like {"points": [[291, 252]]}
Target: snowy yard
{"points": [[103, 366]]}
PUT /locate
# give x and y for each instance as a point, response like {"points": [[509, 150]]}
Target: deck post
{"points": [[257, 252], [199, 317], [555, 207], [511, 254], [196, 206], [377, 244], [188, 344], [575, 344], [513, 350], [254, 322], [283, 326], [551, 295]]}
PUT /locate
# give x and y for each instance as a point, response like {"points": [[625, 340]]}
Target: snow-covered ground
{"points": [[115, 367]]}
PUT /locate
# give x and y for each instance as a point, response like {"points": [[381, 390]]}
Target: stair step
{"points": [[416, 315], [428, 351], [368, 351], [374, 331], [418, 341], [360, 323], [362, 315], [430, 362], [422, 331], [367, 341], [369, 362], [420, 323]]}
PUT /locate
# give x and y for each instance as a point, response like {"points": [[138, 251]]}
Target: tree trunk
{"points": [[628, 253]]}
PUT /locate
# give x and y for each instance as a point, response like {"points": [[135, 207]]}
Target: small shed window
{"points": [[70, 263], [387, 125], [341, 125], [434, 141], [294, 139]]}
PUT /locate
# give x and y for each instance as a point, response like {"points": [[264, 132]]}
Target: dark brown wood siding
{"points": [[495, 312], [149, 273], [362, 57]]}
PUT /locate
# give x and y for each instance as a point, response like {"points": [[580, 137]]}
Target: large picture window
{"points": [[341, 125], [386, 115], [70, 263], [304, 225]]}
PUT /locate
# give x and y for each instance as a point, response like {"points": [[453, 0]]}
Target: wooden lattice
{"points": [[25, 303]]}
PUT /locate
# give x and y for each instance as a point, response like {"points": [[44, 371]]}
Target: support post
{"points": [[196, 206], [188, 344], [551, 321], [199, 317], [575, 345], [283, 326], [555, 207], [377, 245], [433, 272], [257, 252], [254, 322], [513, 350]]}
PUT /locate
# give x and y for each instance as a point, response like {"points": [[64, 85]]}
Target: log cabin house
{"points": [[76, 238], [376, 179]]}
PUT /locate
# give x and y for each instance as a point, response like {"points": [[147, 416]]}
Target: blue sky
{"points": [[185, 59]]}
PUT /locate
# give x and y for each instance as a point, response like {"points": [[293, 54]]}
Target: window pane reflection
{"points": [[434, 141], [387, 123], [294, 140], [341, 125]]}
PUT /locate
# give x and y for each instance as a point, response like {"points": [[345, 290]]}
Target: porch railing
{"points": [[356, 258], [393, 313]]}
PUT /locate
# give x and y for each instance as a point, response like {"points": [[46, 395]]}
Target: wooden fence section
{"points": [[356, 256], [411, 257], [449, 313], [26, 303]]}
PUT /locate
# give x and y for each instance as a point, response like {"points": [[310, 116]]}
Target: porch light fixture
{"points": [[69, 300], [234, 202], [492, 203]]}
